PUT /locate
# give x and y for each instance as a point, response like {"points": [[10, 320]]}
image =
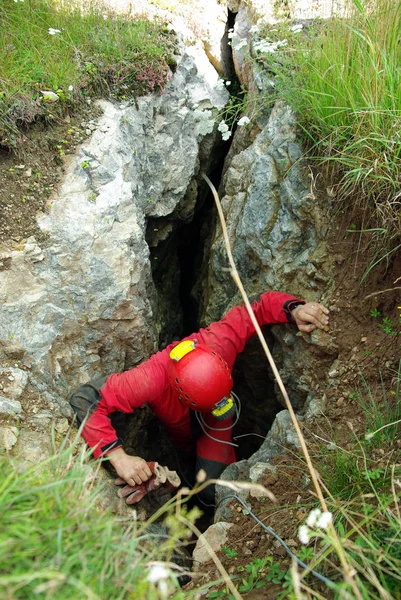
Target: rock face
{"points": [[82, 304], [277, 235]]}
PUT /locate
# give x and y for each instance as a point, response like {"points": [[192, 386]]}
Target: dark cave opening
{"points": [[178, 262]]}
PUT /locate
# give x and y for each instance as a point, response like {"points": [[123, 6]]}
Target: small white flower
{"points": [[313, 517], [70, 88], [254, 29], [324, 520], [266, 47], [304, 534], [158, 573], [240, 44], [16, 1], [226, 135], [223, 127], [228, 82], [54, 31], [297, 28], [243, 121]]}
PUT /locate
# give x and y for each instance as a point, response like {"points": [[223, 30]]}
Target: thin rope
{"points": [[279, 539]]}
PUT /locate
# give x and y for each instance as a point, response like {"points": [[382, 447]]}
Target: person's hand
{"points": [[132, 470], [310, 315]]}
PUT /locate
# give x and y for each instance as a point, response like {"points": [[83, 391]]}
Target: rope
{"points": [[321, 578]]}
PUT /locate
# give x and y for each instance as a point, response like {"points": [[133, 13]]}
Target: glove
{"points": [[163, 480]]}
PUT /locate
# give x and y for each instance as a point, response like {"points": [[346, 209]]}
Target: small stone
{"points": [[8, 437], [340, 401], [10, 407], [62, 426]]}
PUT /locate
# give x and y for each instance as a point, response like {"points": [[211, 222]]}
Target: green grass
{"points": [[94, 53], [344, 81], [56, 542]]}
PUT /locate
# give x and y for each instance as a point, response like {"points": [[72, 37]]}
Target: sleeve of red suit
{"points": [[129, 390]]}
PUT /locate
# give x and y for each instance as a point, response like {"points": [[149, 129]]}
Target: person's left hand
{"points": [[310, 315]]}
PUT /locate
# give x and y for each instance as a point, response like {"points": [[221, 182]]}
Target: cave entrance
{"points": [[179, 257]]}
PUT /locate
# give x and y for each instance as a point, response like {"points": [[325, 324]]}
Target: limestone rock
{"points": [[84, 304], [214, 537], [8, 437], [9, 407], [32, 447], [14, 382]]}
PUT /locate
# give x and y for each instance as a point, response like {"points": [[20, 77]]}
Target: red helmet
{"points": [[201, 377]]}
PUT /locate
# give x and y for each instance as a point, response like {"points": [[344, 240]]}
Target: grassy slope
{"points": [[88, 54]]}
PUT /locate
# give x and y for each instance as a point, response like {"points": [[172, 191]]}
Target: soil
{"points": [[365, 349], [27, 179]]}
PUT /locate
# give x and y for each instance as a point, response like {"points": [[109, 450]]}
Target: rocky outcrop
{"points": [[83, 303]]}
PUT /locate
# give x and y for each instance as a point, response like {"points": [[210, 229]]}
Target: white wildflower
{"points": [[54, 31], [240, 44], [243, 121], [254, 29], [324, 520], [297, 28], [268, 47], [224, 130], [159, 575], [304, 534], [70, 88], [16, 1], [223, 127], [313, 517], [228, 82], [230, 34]]}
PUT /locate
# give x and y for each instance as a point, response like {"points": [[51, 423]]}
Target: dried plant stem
{"points": [[234, 274], [382, 292]]}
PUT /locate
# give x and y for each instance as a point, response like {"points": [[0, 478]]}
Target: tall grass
{"points": [[345, 83], [363, 487], [93, 51], [56, 541]]}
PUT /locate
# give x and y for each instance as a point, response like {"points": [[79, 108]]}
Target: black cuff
{"points": [[289, 306], [111, 446]]}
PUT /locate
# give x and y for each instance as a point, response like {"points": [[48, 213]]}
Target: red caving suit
{"points": [[149, 382]]}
